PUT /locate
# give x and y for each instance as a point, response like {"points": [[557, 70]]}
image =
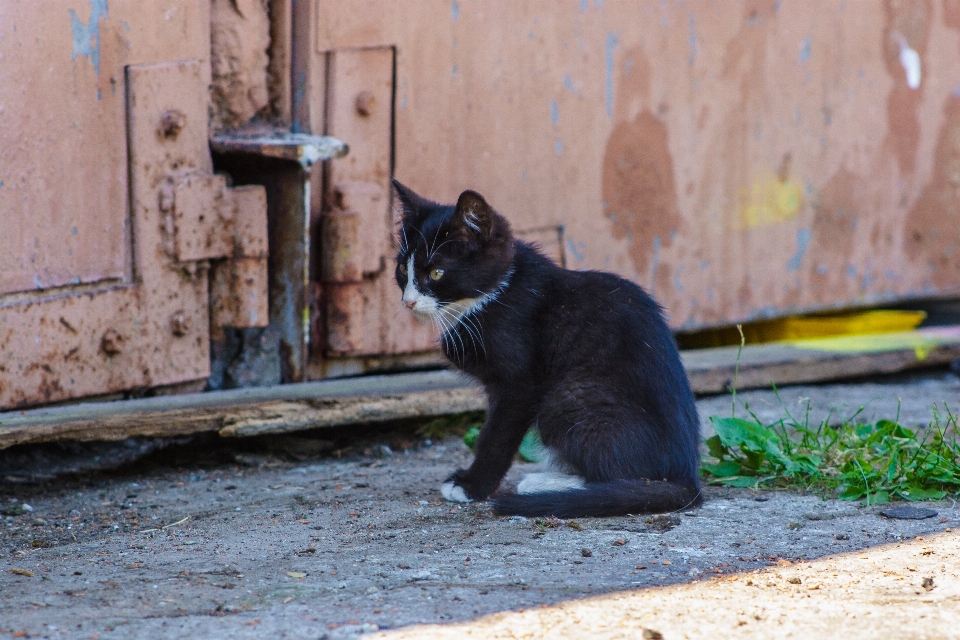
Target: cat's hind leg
{"points": [[559, 476], [549, 481]]}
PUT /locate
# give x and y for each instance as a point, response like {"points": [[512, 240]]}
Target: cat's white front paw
{"points": [[454, 493]]}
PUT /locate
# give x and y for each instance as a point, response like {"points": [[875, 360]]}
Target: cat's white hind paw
{"points": [[454, 493]]}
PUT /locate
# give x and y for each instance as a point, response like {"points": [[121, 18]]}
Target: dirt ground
{"points": [[337, 534]]}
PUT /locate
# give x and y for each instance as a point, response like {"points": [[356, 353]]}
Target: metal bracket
{"points": [[301, 148], [281, 162]]}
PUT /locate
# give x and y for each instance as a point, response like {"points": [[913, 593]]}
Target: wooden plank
{"points": [[249, 411], [821, 359], [258, 411]]}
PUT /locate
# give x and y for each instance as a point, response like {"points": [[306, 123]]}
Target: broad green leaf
{"points": [[919, 493], [880, 497], [716, 448], [741, 481], [531, 448], [735, 431], [722, 469], [470, 437]]}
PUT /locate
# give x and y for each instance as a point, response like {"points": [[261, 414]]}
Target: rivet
{"points": [[180, 324], [112, 342], [365, 103], [172, 123]]}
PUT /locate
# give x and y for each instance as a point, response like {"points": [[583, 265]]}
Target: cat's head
{"points": [[451, 258]]}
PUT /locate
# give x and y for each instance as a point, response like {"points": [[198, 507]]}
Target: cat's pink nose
{"points": [[410, 303]]}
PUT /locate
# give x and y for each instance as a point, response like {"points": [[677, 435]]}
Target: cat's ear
{"points": [[410, 202], [473, 215]]}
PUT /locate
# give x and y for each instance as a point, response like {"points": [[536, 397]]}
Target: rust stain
{"points": [[837, 210], [639, 187], [934, 219], [907, 24], [951, 14]]}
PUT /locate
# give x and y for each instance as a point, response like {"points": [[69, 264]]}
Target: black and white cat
{"points": [[584, 356]]}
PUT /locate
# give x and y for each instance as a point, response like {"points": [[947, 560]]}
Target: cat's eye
{"points": [[403, 269], [436, 274]]}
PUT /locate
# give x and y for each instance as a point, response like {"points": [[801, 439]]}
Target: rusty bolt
{"points": [[167, 197], [111, 342], [172, 123], [365, 103], [180, 324]]}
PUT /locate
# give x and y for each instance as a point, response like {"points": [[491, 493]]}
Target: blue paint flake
{"points": [[554, 112], [86, 37], [558, 146], [568, 85], [576, 249], [612, 41], [1, 184], [583, 6], [803, 239], [74, 231], [455, 11], [692, 38], [805, 50]]}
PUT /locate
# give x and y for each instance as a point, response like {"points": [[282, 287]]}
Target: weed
{"points": [[458, 424], [531, 448], [875, 462]]}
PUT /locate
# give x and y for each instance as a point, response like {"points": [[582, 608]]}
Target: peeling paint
{"points": [[804, 50], [612, 41], [554, 113], [558, 146], [568, 85], [803, 240], [86, 37], [910, 61], [692, 39], [455, 11], [576, 249]]}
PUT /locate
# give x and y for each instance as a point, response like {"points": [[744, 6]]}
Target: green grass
{"points": [[875, 462]]}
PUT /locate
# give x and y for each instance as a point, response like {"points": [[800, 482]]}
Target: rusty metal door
{"points": [[739, 159], [110, 217]]}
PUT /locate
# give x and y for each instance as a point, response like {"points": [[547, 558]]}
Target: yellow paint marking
{"points": [[770, 200], [872, 343]]}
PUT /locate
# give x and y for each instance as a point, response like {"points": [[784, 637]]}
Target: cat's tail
{"points": [[602, 499]]}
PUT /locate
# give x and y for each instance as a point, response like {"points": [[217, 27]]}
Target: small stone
{"points": [[927, 584], [793, 580], [908, 513], [296, 574], [586, 553], [652, 634], [793, 526]]}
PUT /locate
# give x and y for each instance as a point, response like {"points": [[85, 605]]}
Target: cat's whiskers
{"points": [[432, 250], [447, 333], [462, 319], [440, 247]]}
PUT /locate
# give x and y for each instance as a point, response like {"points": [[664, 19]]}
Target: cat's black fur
{"points": [[585, 356]]}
